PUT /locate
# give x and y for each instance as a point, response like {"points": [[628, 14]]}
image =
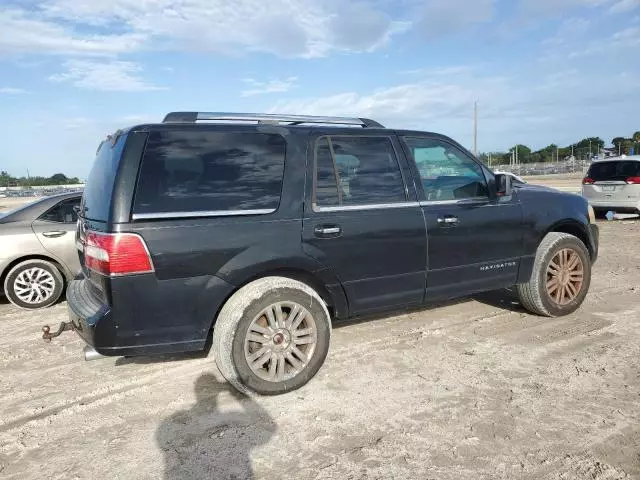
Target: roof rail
{"points": [[193, 117]]}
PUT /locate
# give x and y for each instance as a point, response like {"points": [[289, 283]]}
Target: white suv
{"points": [[613, 185]]}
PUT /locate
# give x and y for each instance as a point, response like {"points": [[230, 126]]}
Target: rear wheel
{"points": [[272, 336], [560, 279], [34, 284]]}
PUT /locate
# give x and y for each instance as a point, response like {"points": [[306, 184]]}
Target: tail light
{"points": [[116, 254], [588, 181], [633, 180]]}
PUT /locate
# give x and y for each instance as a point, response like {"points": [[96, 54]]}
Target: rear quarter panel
{"points": [[17, 240]]}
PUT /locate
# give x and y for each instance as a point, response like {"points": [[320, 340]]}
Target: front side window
{"points": [[207, 171], [63, 212], [352, 171], [446, 173]]}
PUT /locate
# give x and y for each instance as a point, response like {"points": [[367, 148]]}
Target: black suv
{"points": [[261, 229]]}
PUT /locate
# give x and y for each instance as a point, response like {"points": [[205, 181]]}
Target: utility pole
{"points": [[475, 129]]}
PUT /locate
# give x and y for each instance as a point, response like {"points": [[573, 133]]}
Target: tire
{"points": [[535, 295], [49, 284], [247, 311]]}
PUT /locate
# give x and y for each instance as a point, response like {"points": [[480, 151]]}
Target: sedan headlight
{"points": [[592, 214]]}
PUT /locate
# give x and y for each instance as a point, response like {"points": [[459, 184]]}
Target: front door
{"points": [[474, 236], [363, 223], [56, 230]]}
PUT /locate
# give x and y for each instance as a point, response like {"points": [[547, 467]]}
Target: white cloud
{"points": [[439, 71], [27, 32], [571, 29], [546, 7], [538, 112], [12, 91], [303, 28], [272, 86], [441, 17], [624, 6], [104, 76]]}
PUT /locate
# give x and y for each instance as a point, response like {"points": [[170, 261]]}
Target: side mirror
{"points": [[503, 185]]}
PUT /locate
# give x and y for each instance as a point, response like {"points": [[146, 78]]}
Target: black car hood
{"points": [[533, 188]]}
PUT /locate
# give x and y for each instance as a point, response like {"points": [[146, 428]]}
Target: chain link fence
{"points": [[546, 168]]}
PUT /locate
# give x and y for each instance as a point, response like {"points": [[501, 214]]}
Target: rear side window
{"points": [[351, 171], [96, 198], [614, 170], [63, 212], [210, 172]]}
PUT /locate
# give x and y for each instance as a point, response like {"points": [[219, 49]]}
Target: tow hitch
{"points": [[64, 326]]}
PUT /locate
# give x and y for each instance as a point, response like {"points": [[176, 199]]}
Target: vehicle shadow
{"points": [[207, 441], [506, 299]]}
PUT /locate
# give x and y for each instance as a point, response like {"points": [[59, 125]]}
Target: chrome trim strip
{"points": [[426, 203], [212, 213], [464, 201], [379, 206]]}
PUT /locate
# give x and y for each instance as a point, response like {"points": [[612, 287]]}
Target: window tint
{"points": [[204, 171], [445, 171], [614, 170], [63, 212], [357, 171]]}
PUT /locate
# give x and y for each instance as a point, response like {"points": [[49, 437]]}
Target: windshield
{"points": [[614, 170], [96, 200]]}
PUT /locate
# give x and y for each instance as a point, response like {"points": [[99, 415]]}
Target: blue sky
{"points": [[543, 71]]}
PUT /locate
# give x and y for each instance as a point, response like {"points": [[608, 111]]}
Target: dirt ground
{"points": [[565, 182], [9, 203], [475, 389]]}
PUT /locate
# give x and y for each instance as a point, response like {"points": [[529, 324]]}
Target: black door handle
{"points": [[327, 231], [53, 234]]}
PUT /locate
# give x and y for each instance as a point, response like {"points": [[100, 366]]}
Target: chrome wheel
{"points": [[565, 276], [280, 341], [34, 285]]}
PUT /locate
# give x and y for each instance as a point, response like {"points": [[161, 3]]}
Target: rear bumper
{"points": [[162, 321], [630, 206]]}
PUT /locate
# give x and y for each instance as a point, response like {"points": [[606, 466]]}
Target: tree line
{"points": [[7, 180], [587, 148]]}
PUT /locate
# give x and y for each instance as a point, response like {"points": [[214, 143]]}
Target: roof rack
{"points": [[269, 118]]}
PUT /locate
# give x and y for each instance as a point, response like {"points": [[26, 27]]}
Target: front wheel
{"points": [[560, 279], [272, 336]]}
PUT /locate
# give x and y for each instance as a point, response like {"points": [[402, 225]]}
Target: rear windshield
{"points": [[96, 200], [208, 171], [615, 170]]}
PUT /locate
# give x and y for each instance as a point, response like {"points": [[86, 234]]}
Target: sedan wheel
{"points": [[34, 284]]}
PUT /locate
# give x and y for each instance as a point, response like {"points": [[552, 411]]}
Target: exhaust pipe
{"points": [[90, 353]]}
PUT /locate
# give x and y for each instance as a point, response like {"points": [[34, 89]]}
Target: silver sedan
{"points": [[37, 250]]}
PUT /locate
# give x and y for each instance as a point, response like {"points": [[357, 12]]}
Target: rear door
{"points": [[362, 222], [474, 237], [56, 229]]}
